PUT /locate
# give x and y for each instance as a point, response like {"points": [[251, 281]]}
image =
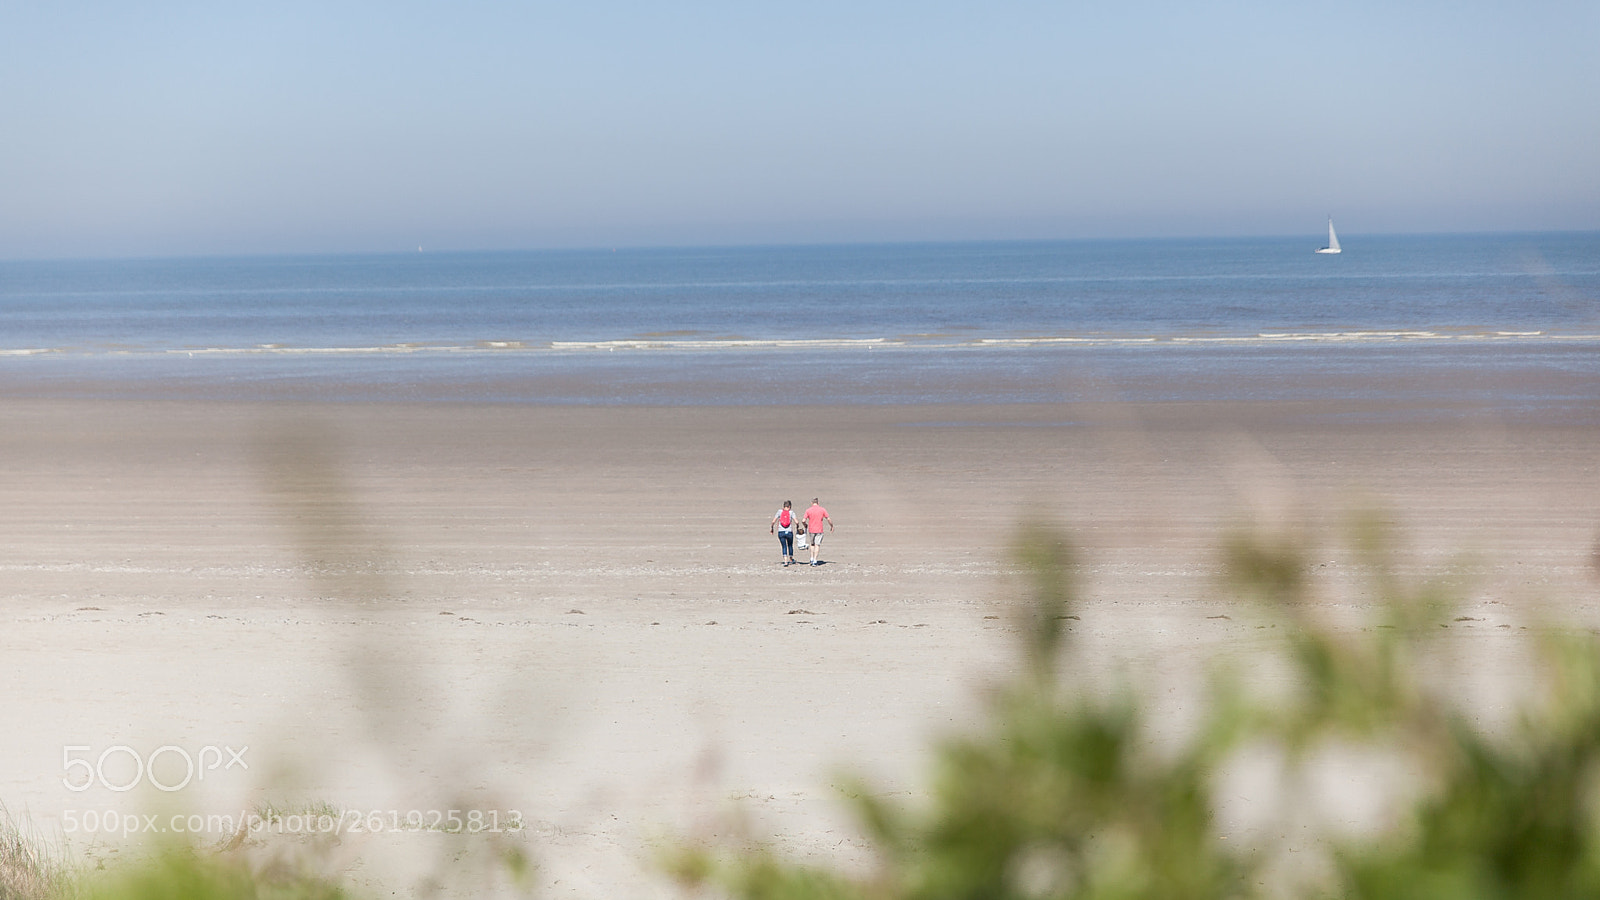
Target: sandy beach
{"points": [[578, 613]]}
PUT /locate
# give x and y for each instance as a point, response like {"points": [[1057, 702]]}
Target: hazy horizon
{"points": [[183, 130], [1311, 238]]}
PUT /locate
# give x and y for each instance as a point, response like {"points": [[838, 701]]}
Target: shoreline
{"points": [[1367, 385]]}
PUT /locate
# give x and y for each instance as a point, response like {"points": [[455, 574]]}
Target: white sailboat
{"points": [[1333, 239]]}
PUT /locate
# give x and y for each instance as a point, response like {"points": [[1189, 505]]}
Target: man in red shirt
{"points": [[815, 516]]}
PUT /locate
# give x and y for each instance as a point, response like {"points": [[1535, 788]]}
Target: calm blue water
{"points": [[1149, 320]]}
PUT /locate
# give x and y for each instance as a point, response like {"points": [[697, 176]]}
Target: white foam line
{"points": [[274, 349], [1277, 337], [1035, 341], [731, 343], [746, 344], [1353, 336]]}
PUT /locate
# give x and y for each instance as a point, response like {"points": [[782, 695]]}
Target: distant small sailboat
{"points": [[1333, 239]]}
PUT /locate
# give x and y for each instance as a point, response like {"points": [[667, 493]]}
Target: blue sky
{"points": [[176, 128]]}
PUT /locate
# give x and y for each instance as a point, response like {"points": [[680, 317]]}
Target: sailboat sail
{"points": [[1333, 239]]}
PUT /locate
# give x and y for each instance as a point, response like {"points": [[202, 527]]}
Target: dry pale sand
{"points": [[579, 613]]}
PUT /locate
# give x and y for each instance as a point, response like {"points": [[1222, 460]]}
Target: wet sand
{"points": [[578, 613]]}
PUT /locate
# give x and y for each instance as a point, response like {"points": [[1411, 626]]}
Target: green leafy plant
{"points": [[181, 870], [1065, 793]]}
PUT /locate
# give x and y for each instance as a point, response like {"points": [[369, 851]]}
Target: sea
{"points": [[1503, 324]]}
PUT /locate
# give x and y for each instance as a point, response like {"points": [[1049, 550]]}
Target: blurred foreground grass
{"points": [[28, 871], [1068, 792]]}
